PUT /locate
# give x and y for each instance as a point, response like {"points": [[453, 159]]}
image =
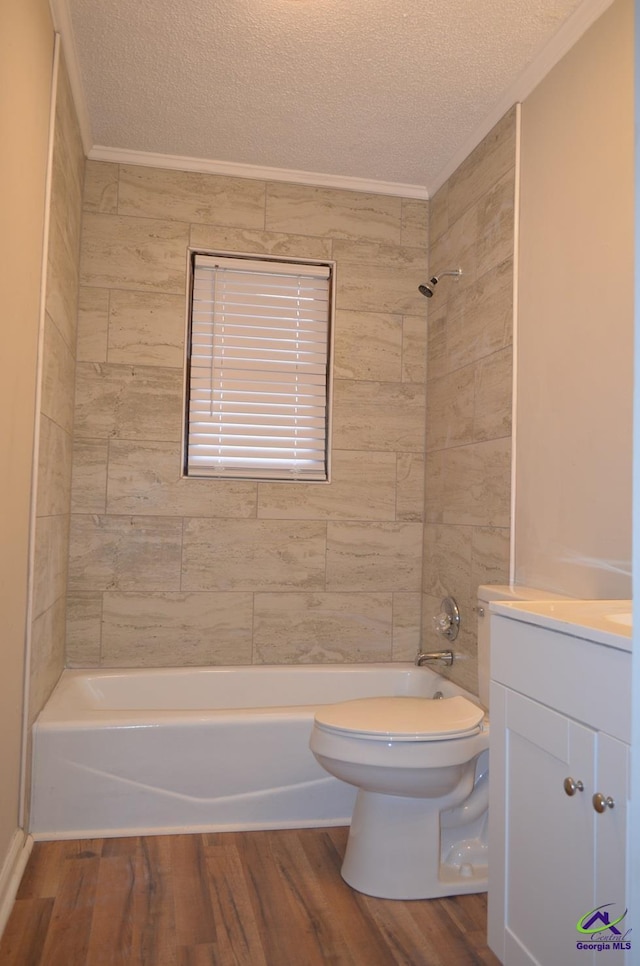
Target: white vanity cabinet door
{"points": [[548, 869], [554, 858], [612, 782]]}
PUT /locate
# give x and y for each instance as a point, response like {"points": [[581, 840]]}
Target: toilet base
{"points": [[393, 851]]}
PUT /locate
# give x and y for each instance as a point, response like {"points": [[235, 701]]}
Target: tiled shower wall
{"points": [[56, 403], [466, 535], [172, 571]]}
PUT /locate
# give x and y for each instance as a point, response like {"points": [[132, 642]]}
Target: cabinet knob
{"points": [[600, 803], [571, 786]]}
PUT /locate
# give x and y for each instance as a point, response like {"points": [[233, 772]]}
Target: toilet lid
{"points": [[409, 719]]}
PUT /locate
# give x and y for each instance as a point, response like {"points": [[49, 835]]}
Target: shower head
{"points": [[427, 290]]}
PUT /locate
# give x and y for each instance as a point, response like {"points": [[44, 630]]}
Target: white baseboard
{"points": [[11, 873]]}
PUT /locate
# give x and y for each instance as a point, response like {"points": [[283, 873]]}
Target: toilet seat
{"points": [[402, 718]]}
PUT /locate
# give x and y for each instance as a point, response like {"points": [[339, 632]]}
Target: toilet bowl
{"points": [[420, 766]]}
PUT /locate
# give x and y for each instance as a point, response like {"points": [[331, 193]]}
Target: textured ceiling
{"points": [[385, 90]]}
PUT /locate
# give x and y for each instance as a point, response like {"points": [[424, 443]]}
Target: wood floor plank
{"points": [[195, 922], [226, 899], [154, 937], [306, 889], [203, 955], [110, 939], [238, 937], [44, 870], [70, 924], [348, 914], [286, 936], [26, 932]]}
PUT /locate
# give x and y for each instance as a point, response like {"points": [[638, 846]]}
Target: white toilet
{"points": [[419, 826]]}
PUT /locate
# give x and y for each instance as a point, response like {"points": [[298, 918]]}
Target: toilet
{"points": [[419, 825]]}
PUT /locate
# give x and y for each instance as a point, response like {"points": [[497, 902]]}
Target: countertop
{"points": [[606, 622]]}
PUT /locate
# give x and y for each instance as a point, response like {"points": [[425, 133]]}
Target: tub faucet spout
{"points": [[434, 657]]}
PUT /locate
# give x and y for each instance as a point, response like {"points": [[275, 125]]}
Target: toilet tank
{"points": [[486, 594]]}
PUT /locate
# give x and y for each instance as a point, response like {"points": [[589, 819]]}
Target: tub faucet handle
{"points": [[447, 622]]}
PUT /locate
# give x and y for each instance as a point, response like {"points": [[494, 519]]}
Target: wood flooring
{"points": [[225, 899]]}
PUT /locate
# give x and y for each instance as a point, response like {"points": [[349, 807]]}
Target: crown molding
{"points": [[568, 35], [257, 172], [580, 21]]}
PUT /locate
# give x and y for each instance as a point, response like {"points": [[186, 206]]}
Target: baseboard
{"points": [[11, 873]]}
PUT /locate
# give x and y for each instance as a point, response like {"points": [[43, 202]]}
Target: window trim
{"points": [[255, 477]]}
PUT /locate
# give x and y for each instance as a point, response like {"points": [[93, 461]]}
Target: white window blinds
{"points": [[258, 372]]}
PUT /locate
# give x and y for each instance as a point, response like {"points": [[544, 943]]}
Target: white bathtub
{"points": [[170, 750]]}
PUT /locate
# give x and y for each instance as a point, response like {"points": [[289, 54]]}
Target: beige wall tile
{"points": [[93, 324], [89, 476], [62, 281], [330, 213], [47, 656], [495, 225], [54, 469], [406, 626], [253, 555], [410, 487], [438, 329], [374, 556], [379, 277], [56, 405], [134, 402], [493, 378], [189, 196], [144, 477], [414, 348], [222, 238], [378, 415], [489, 556], [434, 485], [362, 487], [472, 484], [133, 253], [57, 377], [176, 630], [481, 320], [84, 618], [68, 154], [129, 406], [322, 628], [447, 560], [146, 329], [486, 165], [368, 345], [50, 562], [439, 213], [415, 223], [124, 553], [101, 187], [456, 248], [450, 402]]}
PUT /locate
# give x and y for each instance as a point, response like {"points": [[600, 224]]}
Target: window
{"points": [[258, 376]]}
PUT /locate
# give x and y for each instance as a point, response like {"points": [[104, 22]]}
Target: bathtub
{"points": [[197, 749]]}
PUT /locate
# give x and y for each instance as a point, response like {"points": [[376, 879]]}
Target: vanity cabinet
{"points": [[560, 730]]}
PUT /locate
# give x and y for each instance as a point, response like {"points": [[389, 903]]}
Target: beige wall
{"points": [[575, 342], [466, 537], [56, 403], [168, 571], [26, 58]]}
